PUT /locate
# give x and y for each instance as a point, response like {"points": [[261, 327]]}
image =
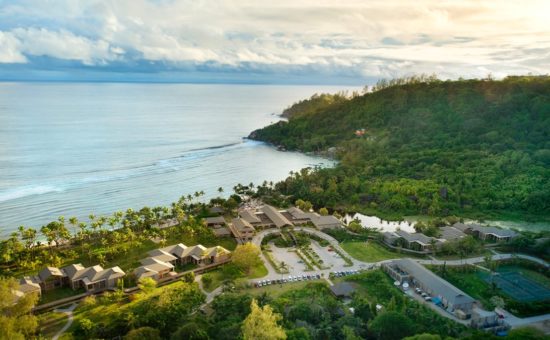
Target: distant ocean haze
{"points": [[73, 149]]}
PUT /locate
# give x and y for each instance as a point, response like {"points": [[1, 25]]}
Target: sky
{"points": [[296, 41]]}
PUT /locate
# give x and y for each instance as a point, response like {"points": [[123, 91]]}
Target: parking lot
{"points": [[304, 277], [331, 259], [295, 265]]}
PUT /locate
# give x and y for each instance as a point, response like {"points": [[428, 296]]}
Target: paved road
{"points": [[474, 260], [69, 312]]}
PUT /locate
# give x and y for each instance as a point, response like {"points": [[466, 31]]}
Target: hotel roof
{"points": [[48, 272], [176, 249], [249, 216], [436, 284], [415, 237], [242, 225], [275, 216], [451, 233], [162, 255]]}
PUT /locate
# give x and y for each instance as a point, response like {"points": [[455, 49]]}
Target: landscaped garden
{"points": [[368, 251]]}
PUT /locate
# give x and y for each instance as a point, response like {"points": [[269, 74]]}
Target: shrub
{"points": [[207, 279]]}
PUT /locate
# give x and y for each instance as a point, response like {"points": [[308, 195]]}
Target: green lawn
{"points": [[51, 323], [368, 251], [59, 293]]}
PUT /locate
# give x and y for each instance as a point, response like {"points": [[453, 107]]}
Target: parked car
{"points": [[427, 298]]}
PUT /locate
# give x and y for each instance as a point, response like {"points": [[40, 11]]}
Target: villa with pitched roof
{"points": [[486, 233], [92, 278], [242, 229], [161, 262], [413, 241], [29, 284], [50, 278]]}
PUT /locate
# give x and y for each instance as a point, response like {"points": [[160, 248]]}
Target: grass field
{"points": [[368, 251], [59, 293]]}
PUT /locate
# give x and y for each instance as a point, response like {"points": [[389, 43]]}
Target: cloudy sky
{"points": [[296, 41]]}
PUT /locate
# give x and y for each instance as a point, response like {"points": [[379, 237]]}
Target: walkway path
{"points": [[209, 295], [69, 312]]}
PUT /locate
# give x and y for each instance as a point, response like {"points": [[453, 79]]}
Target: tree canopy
{"points": [[427, 146], [261, 324]]}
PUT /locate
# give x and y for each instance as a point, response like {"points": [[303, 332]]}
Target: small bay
{"points": [[78, 148]]}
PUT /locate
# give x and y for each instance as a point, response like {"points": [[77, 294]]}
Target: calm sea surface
{"points": [[74, 149]]}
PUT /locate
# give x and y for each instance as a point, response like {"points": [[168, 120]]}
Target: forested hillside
{"points": [[424, 146]]}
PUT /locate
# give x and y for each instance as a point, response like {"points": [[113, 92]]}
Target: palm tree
{"points": [[73, 221]]}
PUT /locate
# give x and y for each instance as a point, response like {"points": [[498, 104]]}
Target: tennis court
{"points": [[520, 287]]}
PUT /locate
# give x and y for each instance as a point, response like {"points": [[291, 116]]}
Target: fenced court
{"points": [[519, 287]]}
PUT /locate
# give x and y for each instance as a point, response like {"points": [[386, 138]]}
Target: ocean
{"points": [[73, 149]]}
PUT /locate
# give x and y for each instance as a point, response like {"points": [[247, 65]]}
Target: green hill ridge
{"points": [[424, 146]]}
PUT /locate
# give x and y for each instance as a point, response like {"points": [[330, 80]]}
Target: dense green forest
{"points": [[420, 145]]}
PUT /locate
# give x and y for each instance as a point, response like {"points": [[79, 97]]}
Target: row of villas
{"points": [[244, 227], [75, 276], [161, 262], [422, 243]]}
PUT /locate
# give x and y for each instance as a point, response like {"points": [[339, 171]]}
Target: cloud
{"points": [[333, 38], [65, 45], [10, 51]]}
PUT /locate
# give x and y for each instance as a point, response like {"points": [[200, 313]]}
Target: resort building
{"points": [[492, 234], [218, 226], [214, 222], [413, 241], [277, 219], [161, 263], [242, 230], [253, 218], [450, 233], [50, 278], [451, 298], [154, 269], [75, 276], [325, 222], [29, 284], [92, 278], [164, 255]]}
